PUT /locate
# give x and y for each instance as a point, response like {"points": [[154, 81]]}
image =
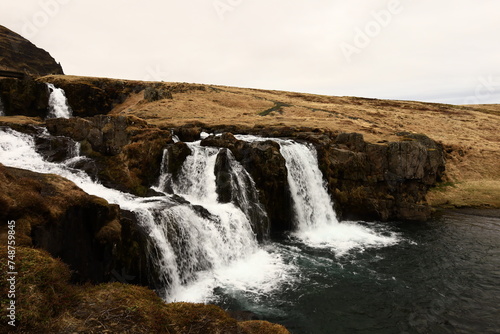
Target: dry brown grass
{"points": [[480, 194], [47, 303]]}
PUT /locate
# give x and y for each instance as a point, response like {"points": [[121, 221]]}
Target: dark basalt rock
{"points": [[177, 154], [223, 177], [381, 182], [126, 151], [95, 96], [188, 133], [99, 242], [25, 97], [366, 181], [266, 165], [54, 214]]}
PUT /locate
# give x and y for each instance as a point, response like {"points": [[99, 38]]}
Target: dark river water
{"points": [[442, 276]]}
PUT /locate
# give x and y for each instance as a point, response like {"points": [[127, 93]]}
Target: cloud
{"points": [[429, 50]]}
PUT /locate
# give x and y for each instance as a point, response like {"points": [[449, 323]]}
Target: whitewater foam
{"points": [[315, 220], [195, 247], [58, 104]]}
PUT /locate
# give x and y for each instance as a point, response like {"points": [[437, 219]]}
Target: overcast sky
{"points": [[440, 51]]}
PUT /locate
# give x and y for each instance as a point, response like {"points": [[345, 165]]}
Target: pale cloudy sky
{"points": [[440, 51]]}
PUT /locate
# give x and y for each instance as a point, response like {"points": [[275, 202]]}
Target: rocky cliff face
{"points": [[54, 214], [383, 182], [24, 97], [20, 55], [266, 165], [94, 96], [126, 153], [366, 181]]}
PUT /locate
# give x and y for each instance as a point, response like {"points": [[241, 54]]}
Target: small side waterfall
{"points": [[58, 104]]}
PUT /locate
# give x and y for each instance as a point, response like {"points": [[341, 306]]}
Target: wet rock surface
{"points": [[367, 181], [266, 165]]}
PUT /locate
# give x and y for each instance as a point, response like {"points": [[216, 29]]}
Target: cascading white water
{"points": [[312, 204], [18, 150], [316, 223], [58, 104], [196, 181], [196, 247], [225, 241]]}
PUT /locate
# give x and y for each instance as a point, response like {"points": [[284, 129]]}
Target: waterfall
{"points": [[196, 242], [315, 221], [2, 112], [225, 236], [311, 201], [58, 104]]}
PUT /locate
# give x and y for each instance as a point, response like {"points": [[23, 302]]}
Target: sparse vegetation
{"points": [[46, 302]]}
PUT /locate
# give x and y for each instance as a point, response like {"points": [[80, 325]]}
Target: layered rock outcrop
{"points": [[380, 181], [54, 214], [126, 153], [366, 181], [94, 96]]}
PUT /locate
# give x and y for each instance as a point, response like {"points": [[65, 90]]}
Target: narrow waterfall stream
{"points": [[315, 219], [58, 104]]}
